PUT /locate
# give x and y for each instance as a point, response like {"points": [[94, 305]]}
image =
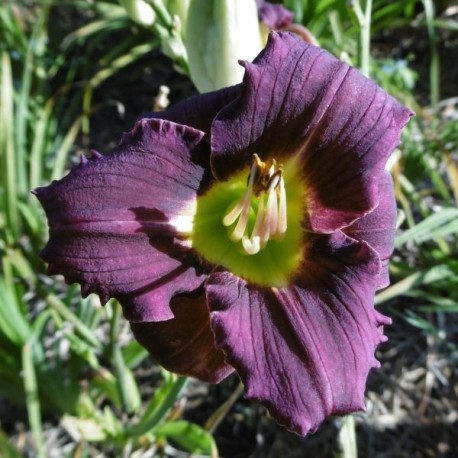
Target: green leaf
{"points": [[190, 436], [13, 323], [128, 388], [31, 397], [163, 400], [107, 383], [414, 281], [134, 354], [8, 160], [69, 316], [438, 224]]}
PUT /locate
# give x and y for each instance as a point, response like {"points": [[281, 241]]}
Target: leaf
{"points": [[163, 400], [128, 388], [438, 224], [31, 397], [13, 323], [190, 436], [414, 281]]}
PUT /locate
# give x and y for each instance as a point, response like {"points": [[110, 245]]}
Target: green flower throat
{"points": [[252, 226]]}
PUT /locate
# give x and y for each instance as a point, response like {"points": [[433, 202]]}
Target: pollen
{"points": [[266, 196]]}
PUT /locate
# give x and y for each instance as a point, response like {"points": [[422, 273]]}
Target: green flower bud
{"points": [[218, 34]]}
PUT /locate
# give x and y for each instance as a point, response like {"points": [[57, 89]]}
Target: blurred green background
{"points": [[74, 76]]}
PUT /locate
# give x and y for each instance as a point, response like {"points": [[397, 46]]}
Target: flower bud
{"points": [[218, 34]]}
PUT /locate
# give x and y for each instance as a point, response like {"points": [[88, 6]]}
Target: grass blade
{"points": [[22, 112], [436, 225], [435, 63], [31, 398], [60, 161], [163, 400], [68, 315], [8, 158]]}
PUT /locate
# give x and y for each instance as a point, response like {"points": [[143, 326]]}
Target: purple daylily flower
{"points": [[247, 229], [273, 15]]}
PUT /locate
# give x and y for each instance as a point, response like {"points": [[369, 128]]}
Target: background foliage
{"points": [[73, 76]]}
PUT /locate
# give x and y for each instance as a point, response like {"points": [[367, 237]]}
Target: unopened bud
{"points": [[218, 34]]}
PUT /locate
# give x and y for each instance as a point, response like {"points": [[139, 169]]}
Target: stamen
{"points": [[270, 222], [251, 246], [239, 230], [234, 213], [282, 218], [272, 206], [265, 181], [259, 217], [244, 201]]}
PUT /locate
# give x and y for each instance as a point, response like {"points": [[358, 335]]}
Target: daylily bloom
{"points": [[247, 229], [274, 15]]}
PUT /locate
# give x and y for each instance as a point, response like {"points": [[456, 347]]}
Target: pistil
{"points": [[266, 185]]}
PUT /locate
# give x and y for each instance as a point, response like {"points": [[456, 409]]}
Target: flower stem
{"points": [[434, 66], [220, 413], [32, 399], [347, 437], [364, 22], [366, 39]]}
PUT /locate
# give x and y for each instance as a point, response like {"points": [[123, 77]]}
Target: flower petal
{"points": [[117, 222], [378, 228], [185, 344], [274, 16], [304, 351], [300, 101], [197, 111]]}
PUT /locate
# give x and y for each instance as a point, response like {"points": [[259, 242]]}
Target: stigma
{"points": [[266, 188]]}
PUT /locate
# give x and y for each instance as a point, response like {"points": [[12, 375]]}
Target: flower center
{"points": [[251, 227], [267, 186]]}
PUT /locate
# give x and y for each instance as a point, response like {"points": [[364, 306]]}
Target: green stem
{"points": [[114, 325], [347, 437], [364, 22], [22, 115], [161, 12], [434, 69], [366, 39], [159, 412], [32, 399], [8, 159], [55, 303]]}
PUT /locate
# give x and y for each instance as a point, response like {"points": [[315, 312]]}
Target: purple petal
{"points": [[197, 111], [116, 222], [378, 228], [274, 16], [304, 351], [300, 101], [185, 344]]}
